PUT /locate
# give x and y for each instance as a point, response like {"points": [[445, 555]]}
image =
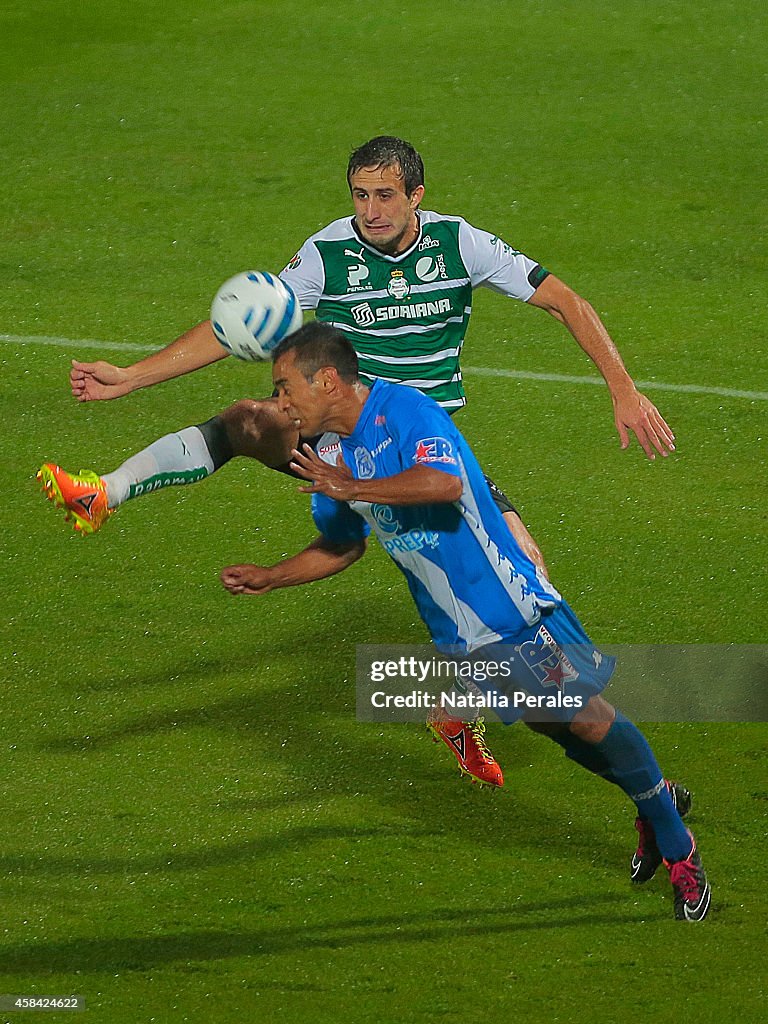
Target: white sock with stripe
{"points": [[180, 458]]}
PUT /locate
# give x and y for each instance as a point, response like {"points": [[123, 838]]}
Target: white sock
{"points": [[180, 458]]}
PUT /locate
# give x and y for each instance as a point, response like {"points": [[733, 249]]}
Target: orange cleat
{"points": [[83, 495], [466, 741]]}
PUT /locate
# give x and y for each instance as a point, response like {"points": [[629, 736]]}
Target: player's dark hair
{"points": [[388, 151], [317, 345]]}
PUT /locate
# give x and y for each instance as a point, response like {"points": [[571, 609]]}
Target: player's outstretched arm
{"points": [[632, 411], [419, 485], [320, 559], [99, 381]]}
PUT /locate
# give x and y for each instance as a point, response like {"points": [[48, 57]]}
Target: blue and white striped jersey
{"points": [[471, 582]]}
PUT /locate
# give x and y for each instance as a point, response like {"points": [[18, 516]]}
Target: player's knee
{"points": [[243, 417], [592, 723], [247, 422], [259, 430]]}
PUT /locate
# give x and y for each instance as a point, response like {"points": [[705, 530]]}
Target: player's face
{"points": [[300, 399], [384, 214]]}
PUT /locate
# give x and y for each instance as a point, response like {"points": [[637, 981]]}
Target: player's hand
{"points": [[633, 411], [95, 382], [247, 579], [335, 481]]}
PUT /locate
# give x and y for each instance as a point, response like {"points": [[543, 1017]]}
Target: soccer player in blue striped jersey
{"points": [[392, 462], [398, 280]]}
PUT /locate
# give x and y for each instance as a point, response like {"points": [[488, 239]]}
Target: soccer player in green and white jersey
{"points": [[398, 282]]}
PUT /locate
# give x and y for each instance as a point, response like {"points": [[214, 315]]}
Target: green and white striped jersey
{"points": [[407, 315]]}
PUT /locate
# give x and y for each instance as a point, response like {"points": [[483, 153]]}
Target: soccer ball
{"points": [[252, 313]]}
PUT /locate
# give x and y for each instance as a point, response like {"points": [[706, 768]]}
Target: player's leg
{"points": [[606, 743], [517, 527], [589, 757], [256, 429], [633, 767]]}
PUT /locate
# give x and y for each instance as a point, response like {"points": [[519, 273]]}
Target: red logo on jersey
{"points": [[434, 449]]}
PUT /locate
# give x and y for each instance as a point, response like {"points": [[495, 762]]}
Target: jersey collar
{"points": [[367, 412], [383, 255]]}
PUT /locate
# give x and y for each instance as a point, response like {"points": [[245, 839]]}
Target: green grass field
{"points": [[196, 827]]}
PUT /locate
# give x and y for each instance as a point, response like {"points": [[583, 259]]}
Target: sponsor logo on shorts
{"points": [[547, 660]]}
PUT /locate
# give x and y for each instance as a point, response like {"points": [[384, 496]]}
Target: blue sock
{"points": [[634, 767]]}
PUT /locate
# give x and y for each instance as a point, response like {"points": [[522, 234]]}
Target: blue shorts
{"points": [[546, 673]]}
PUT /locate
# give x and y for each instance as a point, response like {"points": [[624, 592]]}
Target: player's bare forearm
{"points": [[101, 381], [320, 559], [196, 348], [631, 409], [587, 328], [419, 485]]}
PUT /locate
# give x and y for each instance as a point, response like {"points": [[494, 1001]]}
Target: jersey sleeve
{"points": [[336, 520], [494, 264], [426, 435], [305, 274]]}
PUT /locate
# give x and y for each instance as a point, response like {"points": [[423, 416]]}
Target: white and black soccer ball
{"points": [[252, 313]]}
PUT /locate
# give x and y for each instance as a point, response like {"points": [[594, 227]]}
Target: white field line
{"points": [[480, 371], [646, 385]]}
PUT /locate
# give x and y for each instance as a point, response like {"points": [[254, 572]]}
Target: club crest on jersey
{"points": [[398, 287], [434, 449], [547, 661], [364, 463]]}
